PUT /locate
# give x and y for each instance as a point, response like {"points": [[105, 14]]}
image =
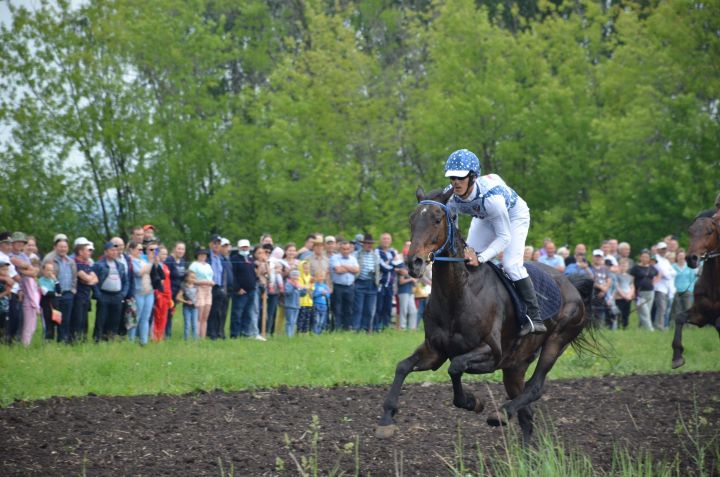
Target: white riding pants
{"points": [[481, 234]]}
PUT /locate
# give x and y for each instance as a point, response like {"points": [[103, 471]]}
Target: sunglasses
{"points": [[456, 178]]}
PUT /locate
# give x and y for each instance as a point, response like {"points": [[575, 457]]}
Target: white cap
{"points": [[598, 253], [59, 237], [83, 241], [661, 245], [243, 243], [329, 238], [224, 241]]}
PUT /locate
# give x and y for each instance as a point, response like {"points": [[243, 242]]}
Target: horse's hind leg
{"points": [[677, 359], [423, 359]]}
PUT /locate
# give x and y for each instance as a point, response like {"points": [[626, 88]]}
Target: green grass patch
{"points": [[174, 366]]}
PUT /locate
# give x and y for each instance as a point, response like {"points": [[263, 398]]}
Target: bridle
{"points": [[449, 244], [710, 254]]}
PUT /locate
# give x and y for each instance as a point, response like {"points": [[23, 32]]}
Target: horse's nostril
{"points": [[417, 261]]}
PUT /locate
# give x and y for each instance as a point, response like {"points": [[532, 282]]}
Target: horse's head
{"points": [[430, 230], [704, 237]]}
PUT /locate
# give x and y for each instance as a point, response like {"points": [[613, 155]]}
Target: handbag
{"points": [[56, 316]]}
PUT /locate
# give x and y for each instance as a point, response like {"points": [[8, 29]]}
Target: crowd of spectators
{"points": [[326, 284]]}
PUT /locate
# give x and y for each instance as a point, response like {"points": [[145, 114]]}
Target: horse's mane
{"points": [[705, 214]]}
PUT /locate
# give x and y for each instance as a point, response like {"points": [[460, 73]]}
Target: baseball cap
{"points": [[329, 239], [148, 227], [59, 237], [5, 237], [215, 238], [18, 237], [224, 241], [201, 251], [109, 245], [661, 245], [82, 241], [598, 253], [243, 243]]}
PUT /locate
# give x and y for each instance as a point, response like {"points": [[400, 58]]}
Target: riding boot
{"points": [[533, 324]]}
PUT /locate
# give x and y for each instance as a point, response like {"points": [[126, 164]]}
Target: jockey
{"points": [[500, 223]]}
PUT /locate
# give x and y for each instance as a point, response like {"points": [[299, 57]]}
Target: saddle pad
{"points": [[547, 291]]}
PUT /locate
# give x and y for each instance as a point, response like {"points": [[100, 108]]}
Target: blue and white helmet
{"points": [[461, 163]]}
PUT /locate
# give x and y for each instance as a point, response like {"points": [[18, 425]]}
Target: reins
{"points": [[449, 240]]}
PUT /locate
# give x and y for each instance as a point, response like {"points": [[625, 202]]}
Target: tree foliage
{"points": [[244, 117]]}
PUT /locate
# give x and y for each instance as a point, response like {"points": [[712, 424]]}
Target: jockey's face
{"points": [[461, 185]]}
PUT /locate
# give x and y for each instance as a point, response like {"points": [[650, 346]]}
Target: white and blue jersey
{"points": [[500, 223]]}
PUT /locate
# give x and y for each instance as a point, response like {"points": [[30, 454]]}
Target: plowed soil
{"points": [[265, 432]]}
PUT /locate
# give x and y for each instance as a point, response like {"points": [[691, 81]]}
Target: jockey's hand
{"points": [[471, 257]]}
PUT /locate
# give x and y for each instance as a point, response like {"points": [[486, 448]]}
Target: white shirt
{"points": [[12, 271], [666, 284], [493, 200]]}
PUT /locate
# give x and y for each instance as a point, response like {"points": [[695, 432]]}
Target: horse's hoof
{"points": [[497, 419], [385, 432], [479, 405], [678, 362]]}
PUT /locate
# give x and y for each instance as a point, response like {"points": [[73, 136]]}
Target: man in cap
{"points": [[87, 279], [603, 282], [222, 276], [343, 268], [366, 287], [319, 261], [330, 246], [14, 317], [664, 287], [28, 287], [112, 288], [66, 274], [243, 314], [388, 258]]}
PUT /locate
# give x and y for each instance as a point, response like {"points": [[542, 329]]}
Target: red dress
{"points": [[163, 300]]}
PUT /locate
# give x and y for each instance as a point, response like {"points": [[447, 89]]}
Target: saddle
{"points": [[546, 290]]}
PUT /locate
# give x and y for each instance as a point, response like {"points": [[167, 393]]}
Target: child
{"points": [[31, 303], [188, 297], [293, 292], [408, 313], [275, 287], [49, 287], [305, 315], [5, 291], [320, 297]]}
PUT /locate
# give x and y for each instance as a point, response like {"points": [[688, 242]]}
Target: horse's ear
{"points": [[420, 194]]}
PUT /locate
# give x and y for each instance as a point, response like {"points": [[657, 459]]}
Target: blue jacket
{"points": [[292, 295], [102, 270]]}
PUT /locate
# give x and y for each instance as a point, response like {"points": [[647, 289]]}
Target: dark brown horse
{"points": [[470, 320], [704, 245]]}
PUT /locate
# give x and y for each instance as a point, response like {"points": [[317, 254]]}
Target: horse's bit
{"points": [[450, 240]]}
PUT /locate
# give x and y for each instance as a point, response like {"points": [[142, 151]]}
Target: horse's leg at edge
{"points": [[424, 358], [551, 351], [677, 359], [514, 381], [479, 361]]}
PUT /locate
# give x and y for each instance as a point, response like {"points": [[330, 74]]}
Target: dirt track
{"points": [[196, 434]]}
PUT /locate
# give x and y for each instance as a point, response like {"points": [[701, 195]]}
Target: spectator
{"points": [[6, 284], [149, 233], [260, 254], [128, 298], [580, 249], [536, 255], [221, 273], [603, 282], [291, 259], [610, 259], [330, 246], [31, 248], [551, 259], [137, 235], [48, 285], [66, 273], [528, 253], [177, 266], [266, 239], [579, 265], [276, 286], [423, 287], [407, 317], [343, 268], [163, 296], [321, 302], [293, 291], [685, 278], [187, 295], [366, 288], [86, 281], [645, 276], [110, 293], [204, 281], [305, 316], [624, 252], [143, 293], [28, 286], [307, 249], [613, 249], [388, 256], [357, 243], [663, 287], [624, 291], [319, 261], [564, 253], [243, 316]]}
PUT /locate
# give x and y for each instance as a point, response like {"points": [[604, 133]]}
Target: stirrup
{"points": [[535, 328]]}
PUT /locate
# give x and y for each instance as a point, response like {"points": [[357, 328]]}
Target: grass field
{"points": [[174, 366]]}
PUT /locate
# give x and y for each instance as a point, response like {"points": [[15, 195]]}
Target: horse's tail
{"points": [[587, 341]]}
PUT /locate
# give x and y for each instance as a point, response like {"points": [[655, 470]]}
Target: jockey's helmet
{"points": [[461, 163]]}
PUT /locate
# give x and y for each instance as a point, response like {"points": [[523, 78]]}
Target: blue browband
{"points": [[450, 240]]}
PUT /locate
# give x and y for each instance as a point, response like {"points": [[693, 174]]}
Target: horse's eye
{"points": [[437, 221]]}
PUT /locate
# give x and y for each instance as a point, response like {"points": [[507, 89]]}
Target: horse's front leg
{"points": [[677, 359], [424, 358], [478, 361]]}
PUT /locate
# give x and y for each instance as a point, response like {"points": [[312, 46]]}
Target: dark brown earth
{"points": [[260, 432]]}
